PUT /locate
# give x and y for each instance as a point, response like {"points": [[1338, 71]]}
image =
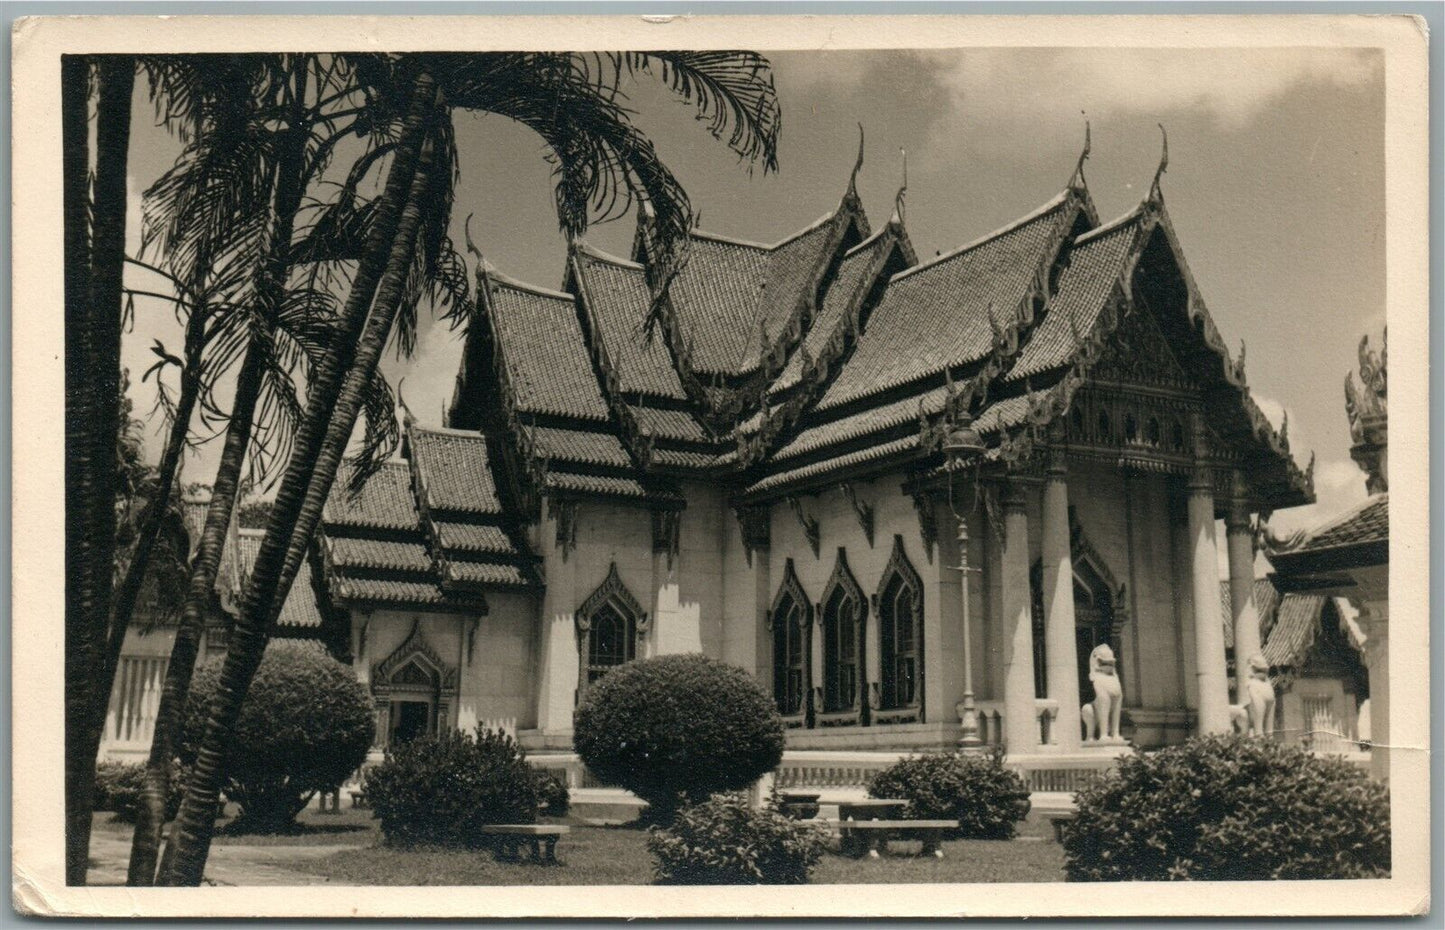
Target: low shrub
{"points": [[553, 798], [1230, 808], [305, 726], [976, 790], [678, 728], [723, 841], [119, 785], [440, 789]]}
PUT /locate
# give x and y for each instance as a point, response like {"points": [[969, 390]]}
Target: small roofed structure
{"points": [[1348, 555]]}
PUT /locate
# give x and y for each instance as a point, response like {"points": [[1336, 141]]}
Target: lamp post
{"points": [[963, 446]]}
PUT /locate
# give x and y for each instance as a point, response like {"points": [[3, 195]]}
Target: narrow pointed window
{"points": [[608, 625], [900, 631], [791, 622], [844, 613]]}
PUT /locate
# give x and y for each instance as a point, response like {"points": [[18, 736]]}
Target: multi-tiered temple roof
{"points": [[784, 368]]}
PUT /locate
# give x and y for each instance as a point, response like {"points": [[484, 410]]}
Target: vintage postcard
{"points": [[716, 466]]}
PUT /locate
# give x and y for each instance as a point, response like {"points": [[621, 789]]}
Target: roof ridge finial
{"points": [[1078, 179], [857, 165], [407, 419], [902, 191], [1154, 191]]}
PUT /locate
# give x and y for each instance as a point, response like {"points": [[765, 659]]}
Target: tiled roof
{"points": [[618, 296], [467, 537], [385, 501], [1083, 288], [300, 609], [680, 458], [1366, 523], [1266, 598], [935, 316], [349, 553], [671, 424], [837, 301], [582, 447], [1296, 625], [715, 297], [870, 454], [454, 470], [485, 573], [863, 423], [791, 268], [595, 484], [546, 358], [380, 591]]}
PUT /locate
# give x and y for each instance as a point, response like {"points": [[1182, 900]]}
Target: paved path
{"points": [[227, 865]]}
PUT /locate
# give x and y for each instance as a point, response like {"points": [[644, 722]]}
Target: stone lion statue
{"points": [[1254, 715], [1101, 716]]}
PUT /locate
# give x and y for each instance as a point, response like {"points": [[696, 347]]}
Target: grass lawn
{"points": [[618, 856], [593, 855]]}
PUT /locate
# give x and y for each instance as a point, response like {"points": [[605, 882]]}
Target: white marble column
{"points": [[1239, 539], [1021, 729], [1375, 615], [560, 659], [1060, 636], [1210, 670]]}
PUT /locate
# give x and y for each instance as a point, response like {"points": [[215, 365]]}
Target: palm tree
{"points": [[95, 244], [283, 324], [603, 163]]}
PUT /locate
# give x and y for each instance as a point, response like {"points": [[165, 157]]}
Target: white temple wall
{"points": [[498, 679], [693, 590], [743, 614]]}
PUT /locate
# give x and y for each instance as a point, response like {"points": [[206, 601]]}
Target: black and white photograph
{"points": [[534, 459]]}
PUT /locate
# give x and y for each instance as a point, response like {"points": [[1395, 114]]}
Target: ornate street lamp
{"points": [[962, 448]]}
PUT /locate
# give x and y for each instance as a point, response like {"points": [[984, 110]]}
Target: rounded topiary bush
{"points": [[1229, 808], [678, 728], [305, 726], [440, 789], [119, 786], [723, 841], [976, 790]]}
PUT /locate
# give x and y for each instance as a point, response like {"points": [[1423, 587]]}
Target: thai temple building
{"points": [[913, 497], [1348, 556]]}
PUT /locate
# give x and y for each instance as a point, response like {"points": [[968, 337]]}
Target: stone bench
{"points": [[1059, 818], [872, 836], [512, 836]]}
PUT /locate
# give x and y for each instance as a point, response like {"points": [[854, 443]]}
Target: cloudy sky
{"points": [[1275, 185]]}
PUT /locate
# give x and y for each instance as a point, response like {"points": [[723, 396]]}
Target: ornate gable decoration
{"points": [[396, 669], [1138, 353], [842, 578], [791, 590], [611, 592], [899, 565]]}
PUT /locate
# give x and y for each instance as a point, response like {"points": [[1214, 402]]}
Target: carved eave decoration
{"points": [[755, 523], [612, 592], [414, 648], [925, 502], [666, 533], [807, 522], [563, 512], [1368, 413], [862, 509]]}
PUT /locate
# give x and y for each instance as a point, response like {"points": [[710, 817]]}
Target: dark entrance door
{"points": [[410, 719]]}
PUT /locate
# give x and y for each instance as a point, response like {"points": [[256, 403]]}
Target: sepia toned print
{"points": [[774, 471]]}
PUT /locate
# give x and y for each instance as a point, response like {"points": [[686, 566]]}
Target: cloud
{"points": [[1235, 85]]}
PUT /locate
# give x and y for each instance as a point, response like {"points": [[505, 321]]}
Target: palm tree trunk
{"points": [[92, 420], [151, 812], [196, 822]]}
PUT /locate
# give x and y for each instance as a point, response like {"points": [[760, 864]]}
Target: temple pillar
{"points": [[1021, 729], [561, 662], [1375, 615], [1239, 540], [1210, 670], [1060, 629]]}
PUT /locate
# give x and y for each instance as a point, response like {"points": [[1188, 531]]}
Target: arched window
{"points": [[900, 630], [791, 622], [414, 689], [844, 614], [608, 625]]}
